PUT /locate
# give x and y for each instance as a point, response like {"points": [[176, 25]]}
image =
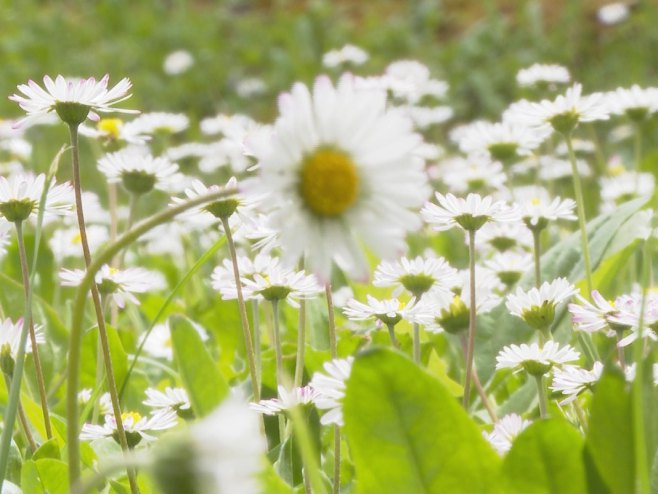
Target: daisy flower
{"points": [[158, 341], [66, 242], [504, 432], [10, 336], [418, 275], [629, 315], [537, 305], [509, 266], [72, 99], [596, 315], [175, 399], [535, 360], [564, 113], [503, 236], [348, 54], [625, 186], [177, 62], [236, 126], [550, 74], [537, 209], [279, 283], [472, 174], [111, 130], [158, 123], [613, 13], [572, 380], [250, 86], [136, 426], [500, 141], [120, 284], [222, 453], [389, 312], [285, 401], [139, 172], [330, 389], [341, 171], [636, 103], [470, 213], [223, 279], [20, 195]]}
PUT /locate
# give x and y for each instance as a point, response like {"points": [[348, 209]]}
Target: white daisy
{"points": [[223, 279], [418, 275], [235, 126], [10, 336], [411, 81], [470, 213], [158, 122], [504, 432], [543, 73], [139, 172], [5, 236], [285, 401], [158, 343], [564, 113], [594, 316], [66, 242], [537, 305], [509, 266], [535, 360], [580, 146], [551, 168], [250, 86], [227, 152], [389, 311], [471, 174], [175, 399], [177, 62], [425, 116], [278, 283], [20, 195], [341, 170], [572, 380], [136, 426], [73, 99], [625, 186], [503, 236], [537, 209], [114, 130], [629, 315], [613, 13], [330, 387], [348, 54], [636, 103], [120, 284], [500, 141]]}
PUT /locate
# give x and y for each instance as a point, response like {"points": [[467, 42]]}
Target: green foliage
{"points": [[408, 434]]}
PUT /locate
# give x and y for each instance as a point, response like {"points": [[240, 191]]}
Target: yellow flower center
{"points": [[76, 240], [535, 201], [329, 183], [134, 416], [111, 126], [616, 170]]}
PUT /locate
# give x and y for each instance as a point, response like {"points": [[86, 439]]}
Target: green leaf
{"points": [[199, 373], [271, 482], [89, 350], [49, 449], [407, 433], [30, 481], [610, 434], [654, 474], [54, 475], [546, 458], [439, 369]]}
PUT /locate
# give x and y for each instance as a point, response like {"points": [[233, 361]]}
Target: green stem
{"points": [[580, 203], [391, 334], [255, 316], [309, 456], [543, 401], [334, 354], [480, 389], [103, 257], [470, 349], [98, 308], [416, 342], [244, 320], [33, 338], [22, 420], [301, 344], [536, 237], [279, 362], [637, 144]]}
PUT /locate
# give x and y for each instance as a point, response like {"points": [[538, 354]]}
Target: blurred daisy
{"points": [[330, 389], [223, 279], [551, 168], [613, 13], [472, 174], [623, 187], [535, 360], [630, 312], [411, 81], [389, 312], [470, 213], [158, 123], [250, 86], [509, 266], [537, 209], [572, 380], [111, 130], [177, 62], [278, 283], [549, 74], [537, 305], [158, 342], [418, 275], [73, 99], [341, 171], [66, 242], [500, 141], [596, 315], [175, 399], [425, 116], [119, 284], [140, 172], [10, 336], [235, 126], [285, 401], [348, 54], [504, 432], [504, 236], [136, 426], [20, 195], [636, 103]]}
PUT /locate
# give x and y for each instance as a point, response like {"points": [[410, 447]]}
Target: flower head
{"points": [[136, 426], [537, 305], [20, 195], [330, 388], [572, 380], [543, 74], [73, 99], [418, 275], [285, 401], [278, 283], [175, 399], [470, 214], [535, 360], [389, 312], [504, 432], [348, 54]]}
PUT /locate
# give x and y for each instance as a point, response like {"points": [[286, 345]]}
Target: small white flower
{"points": [[172, 399], [424, 116], [286, 400], [635, 102], [501, 141], [114, 129], [630, 312], [223, 279], [20, 195], [279, 283], [10, 335], [177, 62], [503, 236], [250, 86], [613, 13], [534, 359], [417, 275], [543, 73], [389, 311], [571, 380], [89, 93], [624, 186], [551, 168], [158, 342], [504, 432], [470, 213], [593, 316], [537, 209], [136, 426], [330, 387], [509, 266], [348, 54], [152, 123], [537, 305], [140, 172], [470, 174]]}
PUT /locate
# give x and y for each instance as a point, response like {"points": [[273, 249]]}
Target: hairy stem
{"points": [[470, 349], [543, 401]]}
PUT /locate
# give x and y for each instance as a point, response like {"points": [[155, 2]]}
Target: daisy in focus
{"points": [[572, 380], [535, 360], [341, 171], [537, 305], [285, 401], [136, 426], [417, 276], [20, 195]]}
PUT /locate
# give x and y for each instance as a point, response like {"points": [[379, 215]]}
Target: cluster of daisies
{"points": [[344, 175]]}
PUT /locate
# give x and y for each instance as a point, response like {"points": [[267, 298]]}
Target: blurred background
{"points": [[203, 57]]}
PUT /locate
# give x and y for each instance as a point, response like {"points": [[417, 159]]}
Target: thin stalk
{"points": [[255, 316], [581, 415], [334, 354], [391, 334], [543, 401], [310, 458], [100, 318], [244, 320], [301, 344], [33, 337], [470, 349], [642, 482], [416, 342], [580, 203], [279, 362], [103, 257], [480, 389], [637, 151], [536, 237], [22, 419]]}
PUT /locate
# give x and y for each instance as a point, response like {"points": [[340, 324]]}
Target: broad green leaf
{"points": [[546, 458], [30, 481], [610, 434], [34, 414], [654, 474], [199, 373], [407, 433], [271, 482], [49, 449], [439, 369], [54, 475], [521, 400], [89, 350]]}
